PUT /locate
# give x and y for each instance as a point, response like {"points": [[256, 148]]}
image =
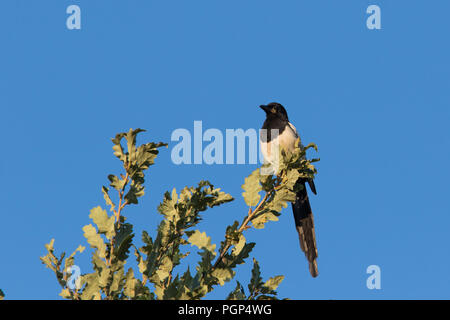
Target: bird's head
{"points": [[275, 110]]}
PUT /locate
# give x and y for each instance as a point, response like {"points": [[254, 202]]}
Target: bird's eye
{"points": [[273, 110]]}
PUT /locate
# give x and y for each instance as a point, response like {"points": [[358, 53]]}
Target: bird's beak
{"points": [[265, 108]]}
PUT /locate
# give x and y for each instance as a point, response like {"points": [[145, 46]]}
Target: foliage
{"points": [[258, 290], [112, 238]]}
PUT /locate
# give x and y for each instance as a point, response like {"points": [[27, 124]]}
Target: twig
{"points": [[243, 226], [119, 210], [122, 205]]}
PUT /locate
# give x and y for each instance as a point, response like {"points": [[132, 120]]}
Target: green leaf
{"points": [[49, 246], [148, 243], [264, 216], [95, 240], [311, 145], [232, 236], [267, 182], [165, 268], [130, 284], [223, 275], [204, 196], [92, 289], [252, 187], [238, 293], [118, 150], [281, 199], [205, 264], [116, 183], [201, 240], [240, 257], [107, 198], [168, 206], [104, 223], [146, 154], [290, 179], [272, 284], [123, 241], [70, 260], [103, 278], [118, 281], [256, 280], [239, 245], [49, 259], [220, 197], [136, 191], [174, 292], [98, 263], [131, 143]]}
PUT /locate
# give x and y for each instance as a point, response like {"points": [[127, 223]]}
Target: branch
{"points": [[244, 224]]}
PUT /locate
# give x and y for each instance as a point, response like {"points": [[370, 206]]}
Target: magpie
{"points": [[277, 118]]}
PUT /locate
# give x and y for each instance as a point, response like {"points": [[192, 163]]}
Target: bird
{"points": [[277, 119]]}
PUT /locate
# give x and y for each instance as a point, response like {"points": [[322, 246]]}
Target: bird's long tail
{"points": [[304, 222]]}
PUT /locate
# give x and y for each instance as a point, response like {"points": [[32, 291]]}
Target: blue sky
{"points": [[376, 102]]}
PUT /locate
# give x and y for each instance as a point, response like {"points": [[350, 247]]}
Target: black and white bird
{"points": [[277, 119]]}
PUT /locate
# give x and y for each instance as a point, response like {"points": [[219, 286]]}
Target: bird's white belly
{"points": [[285, 140]]}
